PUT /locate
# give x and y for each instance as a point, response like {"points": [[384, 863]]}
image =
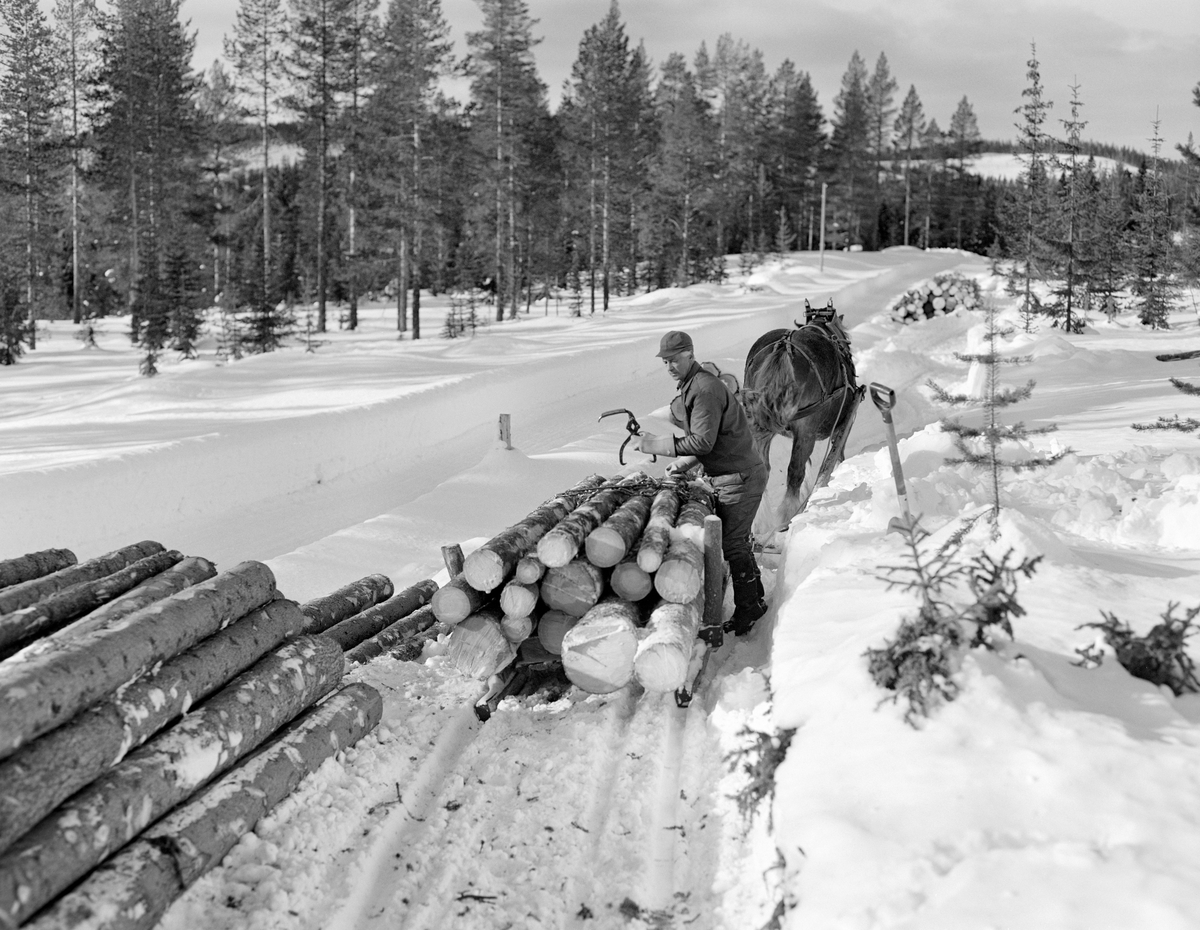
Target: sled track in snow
{"points": [[617, 787]]}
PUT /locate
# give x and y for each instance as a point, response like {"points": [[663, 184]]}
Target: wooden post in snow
{"points": [[714, 571], [505, 430], [452, 558]]}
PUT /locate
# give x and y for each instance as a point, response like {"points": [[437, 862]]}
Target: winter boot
{"points": [[748, 603]]}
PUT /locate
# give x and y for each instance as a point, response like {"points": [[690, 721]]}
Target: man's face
{"points": [[678, 364]]}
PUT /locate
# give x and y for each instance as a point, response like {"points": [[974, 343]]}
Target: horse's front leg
{"points": [[803, 440]]}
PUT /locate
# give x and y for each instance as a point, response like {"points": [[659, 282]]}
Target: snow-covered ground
{"points": [[1045, 796]]}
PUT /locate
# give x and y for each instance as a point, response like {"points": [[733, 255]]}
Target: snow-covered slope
{"points": [[1046, 796]]}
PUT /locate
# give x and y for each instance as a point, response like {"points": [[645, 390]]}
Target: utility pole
{"points": [[824, 187]]}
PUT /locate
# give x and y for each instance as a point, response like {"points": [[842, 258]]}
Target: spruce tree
{"points": [[881, 96], [964, 139], [981, 446], [14, 327], [785, 239], [849, 143], [908, 129], [795, 143], [1153, 258], [29, 98]]}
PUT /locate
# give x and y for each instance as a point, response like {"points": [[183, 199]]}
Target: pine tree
{"points": [[360, 49], [75, 35], [509, 112], [256, 51], [881, 96], [849, 142], [1026, 209], [220, 132], [964, 139], [909, 128], [29, 97], [1153, 258], [795, 142], [981, 446]]}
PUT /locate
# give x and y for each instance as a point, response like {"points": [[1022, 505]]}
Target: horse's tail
{"points": [[775, 394]]}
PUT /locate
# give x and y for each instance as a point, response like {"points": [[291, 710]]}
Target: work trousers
{"points": [[738, 497]]}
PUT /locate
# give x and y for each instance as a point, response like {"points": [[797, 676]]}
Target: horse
{"points": [[801, 383]]}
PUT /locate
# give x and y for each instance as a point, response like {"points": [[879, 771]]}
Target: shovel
{"points": [[885, 399]]}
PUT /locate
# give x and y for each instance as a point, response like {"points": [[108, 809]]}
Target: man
{"points": [[717, 436]]}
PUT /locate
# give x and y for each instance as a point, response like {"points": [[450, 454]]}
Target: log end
{"points": [[678, 582], [598, 656], [552, 627], [484, 570], [556, 550], [662, 668], [604, 547]]}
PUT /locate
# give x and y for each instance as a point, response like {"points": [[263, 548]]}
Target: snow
{"points": [[1046, 795]]}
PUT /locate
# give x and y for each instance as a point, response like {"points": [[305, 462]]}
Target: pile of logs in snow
{"points": [[153, 710], [609, 576], [945, 293]]}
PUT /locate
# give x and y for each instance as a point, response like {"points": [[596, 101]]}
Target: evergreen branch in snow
{"points": [[1190, 425], [1186, 387], [1160, 657]]}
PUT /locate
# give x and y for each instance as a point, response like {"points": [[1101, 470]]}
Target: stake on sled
{"points": [[631, 425], [885, 399]]}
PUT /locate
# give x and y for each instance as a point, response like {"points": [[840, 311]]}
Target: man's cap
{"points": [[673, 343]]}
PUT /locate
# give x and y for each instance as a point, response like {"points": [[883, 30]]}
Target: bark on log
{"points": [[117, 807], [60, 608], [629, 580], [656, 538], [714, 572], [456, 600], [518, 600], [44, 692], [452, 557], [411, 649], [478, 646], [665, 651], [35, 780], [529, 570], [28, 593], [396, 634], [134, 889], [574, 588], [488, 566], [354, 630], [680, 577], [598, 651], [552, 627], [562, 544], [182, 575], [323, 612], [516, 629], [34, 565], [608, 543]]}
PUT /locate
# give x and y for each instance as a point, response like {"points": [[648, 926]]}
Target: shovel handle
{"points": [[884, 398]]}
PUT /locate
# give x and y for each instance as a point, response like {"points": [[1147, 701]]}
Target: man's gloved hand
{"points": [[681, 466], [655, 445]]}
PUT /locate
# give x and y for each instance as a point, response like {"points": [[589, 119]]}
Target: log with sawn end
{"points": [[562, 544], [134, 889], [478, 646], [28, 593], [629, 579], [35, 778], [39, 694], [529, 570], [488, 566], [598, 652], [608, 543], [680, 577], [573, 588], [665, 651], [656, 538], [518, 600], [456, 600]]}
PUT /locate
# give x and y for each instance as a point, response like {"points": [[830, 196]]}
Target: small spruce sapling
{"points": [[14, 325], [920, 662], [758, 759], [981, 446], [1160, 657]]}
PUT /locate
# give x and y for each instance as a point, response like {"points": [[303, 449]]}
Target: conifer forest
{"points": [[323, 161]]}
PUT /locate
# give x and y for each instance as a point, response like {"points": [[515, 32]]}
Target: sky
{"points": [[1132, 61]]}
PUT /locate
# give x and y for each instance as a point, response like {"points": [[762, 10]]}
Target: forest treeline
{"points": [[322, 160]]}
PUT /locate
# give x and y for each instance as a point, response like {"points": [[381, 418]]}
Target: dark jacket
{"points": [[718, 433]]}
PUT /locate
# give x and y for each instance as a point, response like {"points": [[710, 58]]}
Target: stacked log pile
{"points": [[609, 577], [947, 292], [153, 710]]}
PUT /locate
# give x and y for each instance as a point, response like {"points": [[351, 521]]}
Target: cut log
{"points": [[488, 566], [665, 652], [574, 588], [456, 600], [323, 612], [397, 634], [714, 572], [518, 600], [354, 630], [134, 889], [478, 646], [608, 543], [60, 608], [562, 544], [598, 651], [629, 580], [182, 575], [39, 694], [411, 649], [1178, 356], [452, 557], [35, 780], [552, 627], [529, 570], [516, 629], [656, 538], [118, 806], [680, 577], [34, 565], [28, 593]]}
